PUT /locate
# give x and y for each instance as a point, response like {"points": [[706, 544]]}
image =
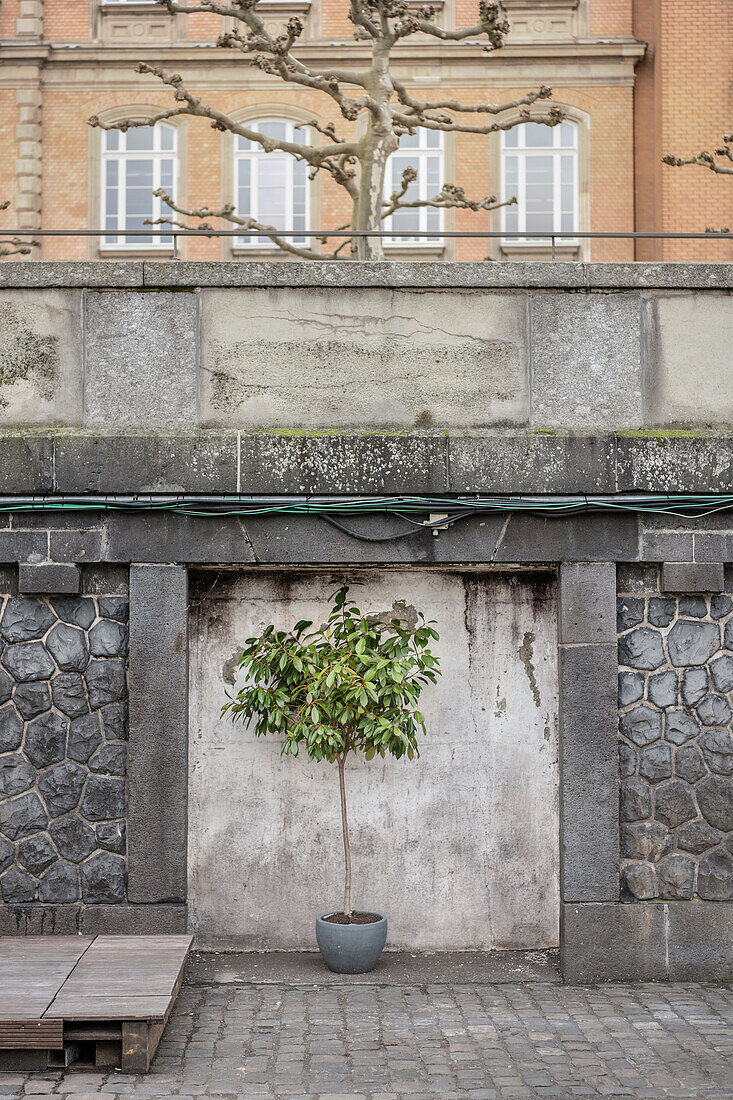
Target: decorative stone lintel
{"points": [[48, 579], [686, 577]]}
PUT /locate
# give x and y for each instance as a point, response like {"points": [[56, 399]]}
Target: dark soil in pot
{"points": [[354, 918]]}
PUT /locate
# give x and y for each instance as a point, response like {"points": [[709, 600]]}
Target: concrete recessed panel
{"points": [[458, 848], [689, 381], [358, 358], [40, 357], [140, 360], [586, 361]]}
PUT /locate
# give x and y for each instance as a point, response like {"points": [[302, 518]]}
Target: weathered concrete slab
{"points": [[146, 463], [688, 378], [470, 872], [312, 462], [40, 356], [140, 367], [26, 463], [71, 273], [528, 462], [321, 358], [298, 968], [586, 361], [390, 273], [675, 463]]}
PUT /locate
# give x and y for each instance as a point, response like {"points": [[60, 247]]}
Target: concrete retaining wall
{"points": [[462, 347], [380, 379]]}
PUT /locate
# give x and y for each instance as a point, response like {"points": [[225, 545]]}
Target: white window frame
{"points": [[116, 240], [255, 155], [556, 151], [420, 153]]}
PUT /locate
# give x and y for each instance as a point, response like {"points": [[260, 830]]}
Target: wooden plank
{"points": [[110, 1009], [124, 977], [31, 1034], [33, 969]]}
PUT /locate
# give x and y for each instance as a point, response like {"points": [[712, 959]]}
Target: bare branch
{"points": [[419, 106], [227, 213], [314, 155], [14, 246], [449, 197], [707, 160], [492, 23], [448, 125]]}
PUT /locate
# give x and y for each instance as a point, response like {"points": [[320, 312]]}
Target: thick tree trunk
{"points": [[345, 827]]}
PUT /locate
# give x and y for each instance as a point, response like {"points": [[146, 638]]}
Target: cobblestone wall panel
{"points": [[63, 730], [675, 746]]}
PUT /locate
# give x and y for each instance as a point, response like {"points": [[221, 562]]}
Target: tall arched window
{"points": [[272, 187], [422, 151], [134, 165], [539, 166]]}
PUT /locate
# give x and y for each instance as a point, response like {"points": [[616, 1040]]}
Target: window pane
{"points": [[511, 138], [272, 190], [567, 134], [537, 136], [272, 129], [167, 137], [138, 197], [538, 194], [139, 138], [410, 141], [511, 218], [432, 176], [112, 140], [405, 222], [433, 139], [511, 175], [166, 175]]}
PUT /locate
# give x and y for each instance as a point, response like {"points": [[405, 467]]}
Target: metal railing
{"points": [[554, 239]]}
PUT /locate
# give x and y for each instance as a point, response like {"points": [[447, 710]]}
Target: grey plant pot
{"points": [[351, 948]]}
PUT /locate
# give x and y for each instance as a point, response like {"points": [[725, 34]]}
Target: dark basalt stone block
{"points": [[23, 619], [45, 740], [103, 878], [32, 698], [68, 647]]}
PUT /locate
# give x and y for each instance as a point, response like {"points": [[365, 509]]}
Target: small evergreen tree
{"points": [[350, 686]]}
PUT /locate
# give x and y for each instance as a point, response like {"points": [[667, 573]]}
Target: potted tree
{"points": [[349, 686]]}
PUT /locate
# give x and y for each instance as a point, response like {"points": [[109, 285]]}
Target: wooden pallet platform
{"points": [[106, 998]]}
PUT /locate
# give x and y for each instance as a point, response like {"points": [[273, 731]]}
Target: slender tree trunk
{"points": [[345, 827], [377, 144]]}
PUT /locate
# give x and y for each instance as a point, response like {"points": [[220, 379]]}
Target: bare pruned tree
{"points": [[372, 96], [14, 246]]}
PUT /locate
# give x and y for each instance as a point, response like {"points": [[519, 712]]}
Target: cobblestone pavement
{"points": [[359, 1042]]}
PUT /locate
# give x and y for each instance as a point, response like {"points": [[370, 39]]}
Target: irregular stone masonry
{"points": [[63, 728], [675, 746]]}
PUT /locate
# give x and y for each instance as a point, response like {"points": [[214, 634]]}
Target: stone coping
{"points": [[416, 274]]}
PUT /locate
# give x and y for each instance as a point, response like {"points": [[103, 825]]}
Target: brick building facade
{"points": [[62, 61]]}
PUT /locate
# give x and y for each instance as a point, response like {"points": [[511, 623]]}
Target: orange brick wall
{"points": [[8, 120], [612, 17], [684, 103], [66, 20], [8, 14]]}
